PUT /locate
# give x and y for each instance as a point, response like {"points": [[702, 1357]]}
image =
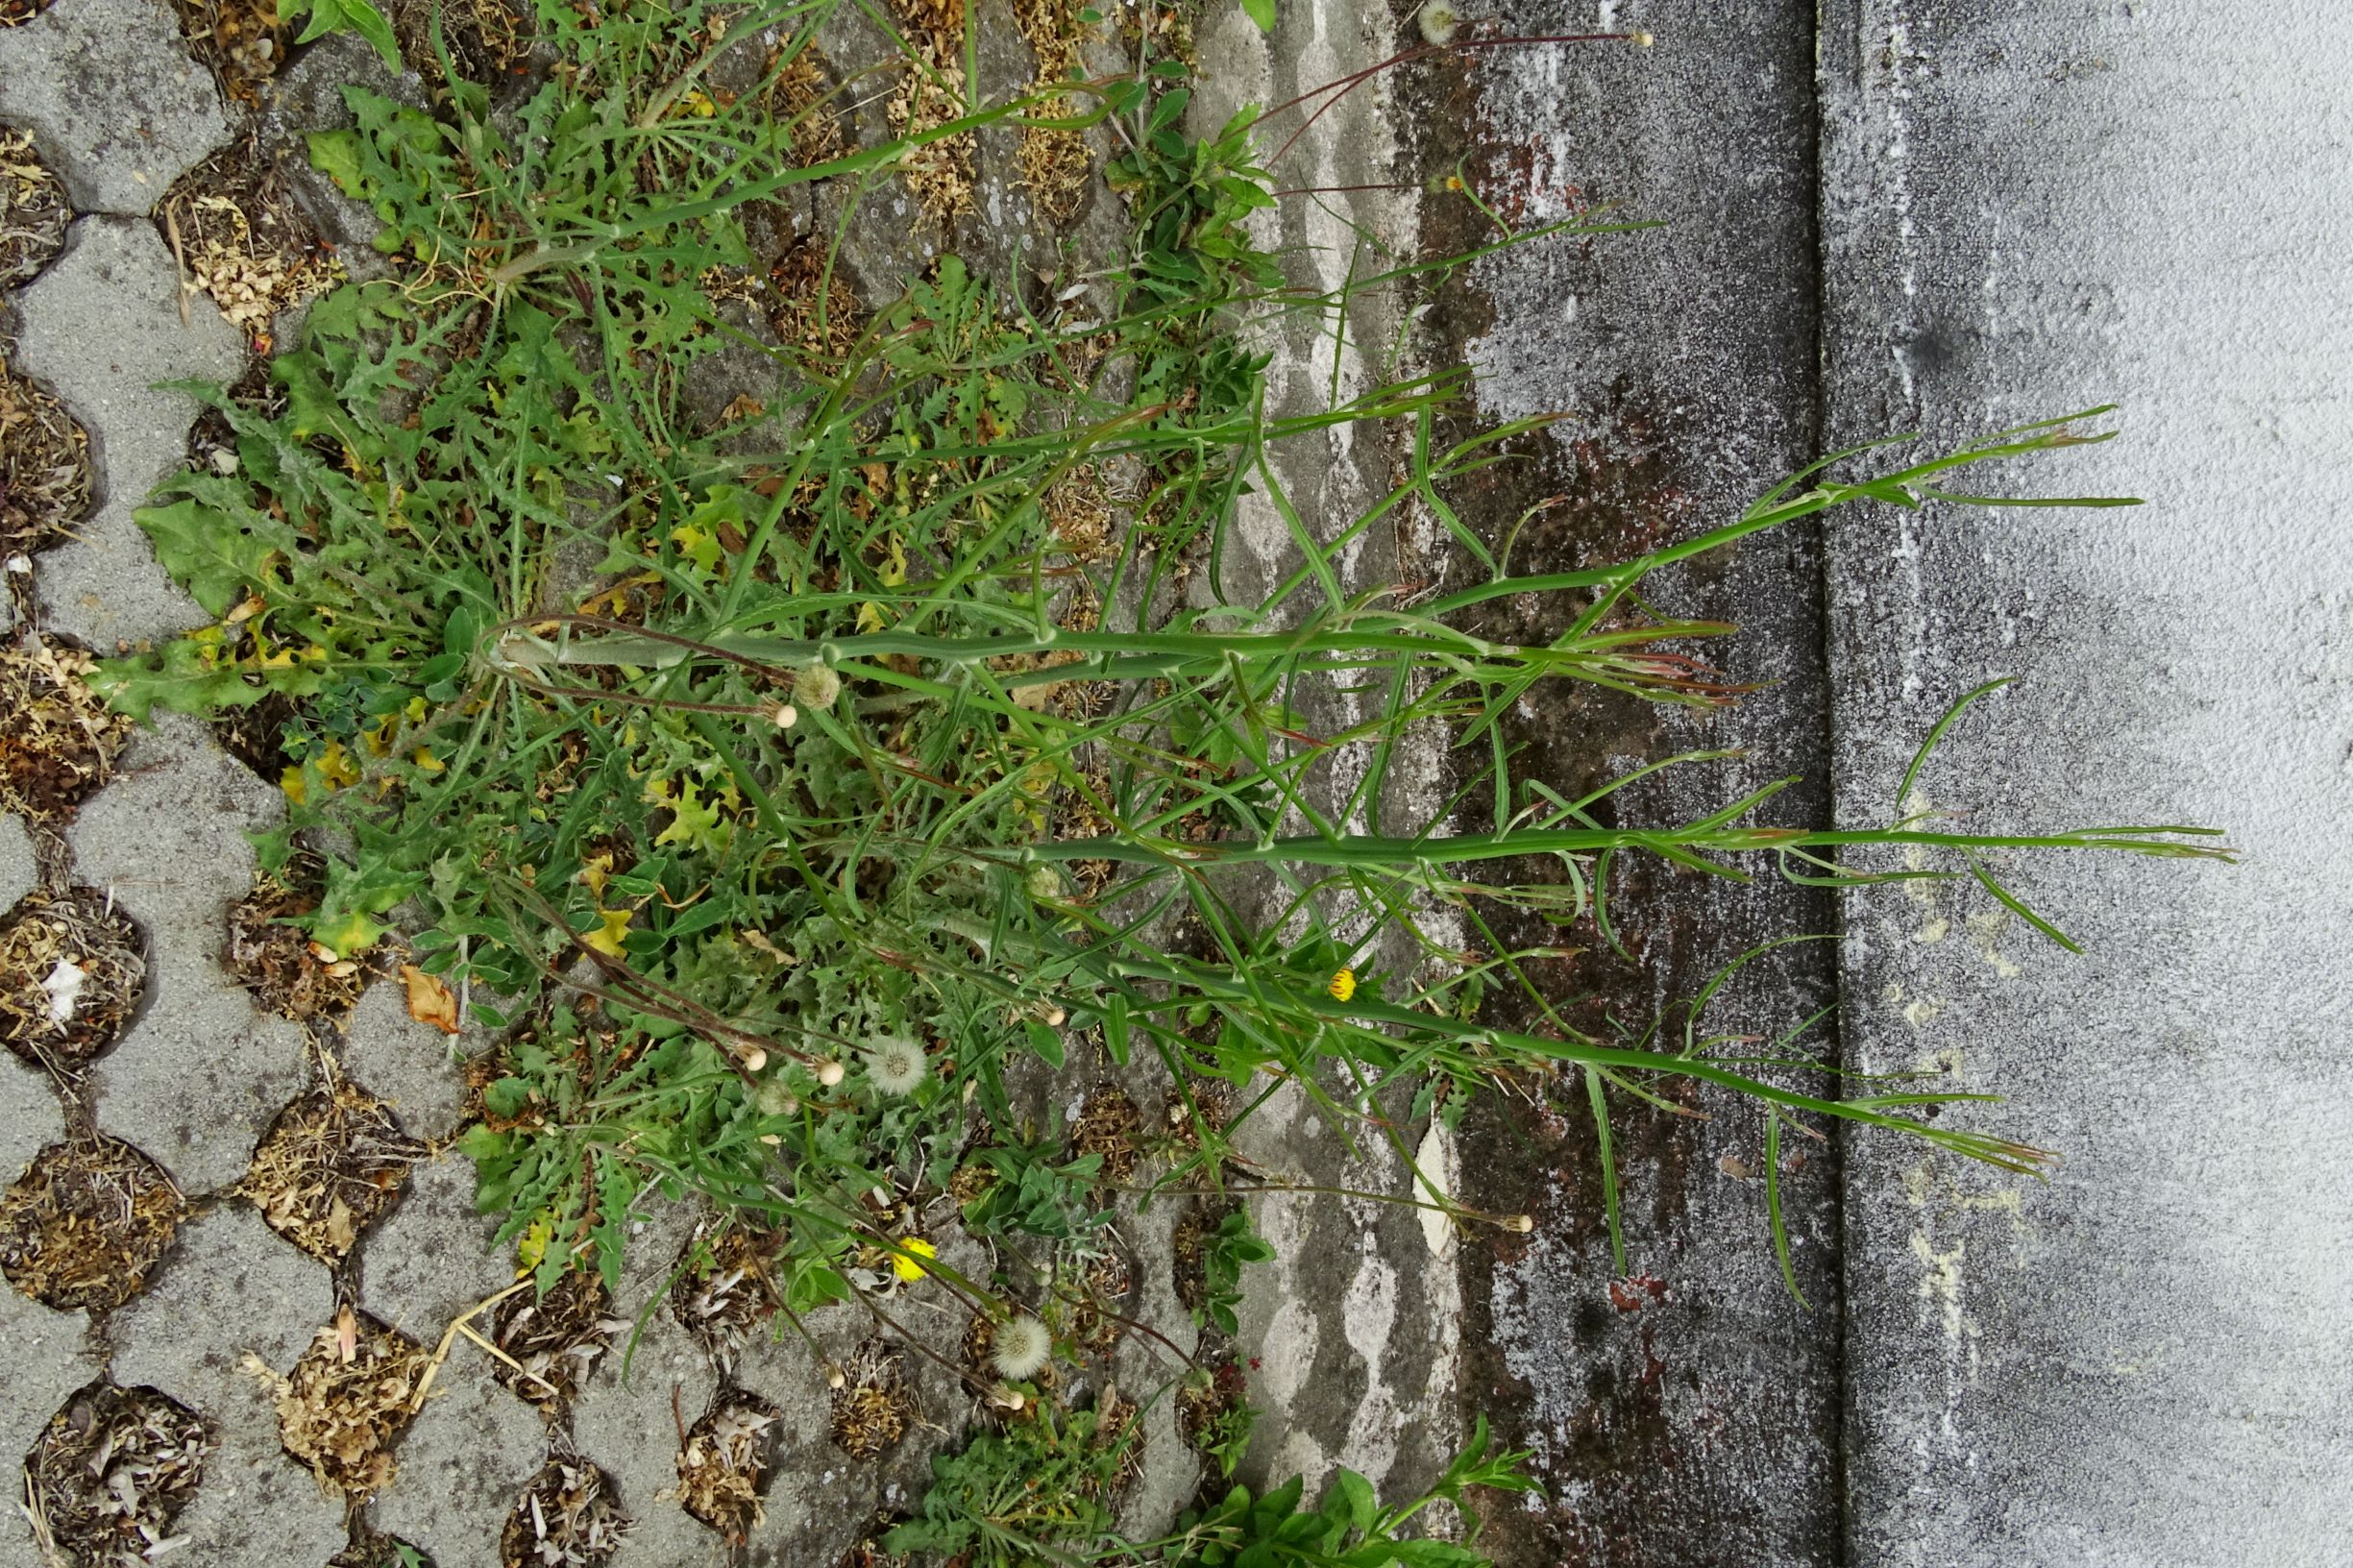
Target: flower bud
{"points": [[829, 1073]]}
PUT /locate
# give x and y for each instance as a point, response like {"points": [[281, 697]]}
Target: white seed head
{"points": [[817, 686], [897, 1066], [774, 1099], [829, 1073], [1044, 883], [1020, 1348], [1440, 22]]}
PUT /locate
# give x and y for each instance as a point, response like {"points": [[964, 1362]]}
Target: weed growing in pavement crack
{"points": [[790, 789]]}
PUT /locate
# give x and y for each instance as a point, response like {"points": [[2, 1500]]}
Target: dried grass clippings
{"points": [[725, 1467], [86, 1223], [329, 1167], [288, 972], [566, 1518], [872, 1408], [240, 239], [349, 1396], [556, 1340], [58, 739]]}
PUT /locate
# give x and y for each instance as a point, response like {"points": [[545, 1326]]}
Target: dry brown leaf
{"points": [[429, 1001]]}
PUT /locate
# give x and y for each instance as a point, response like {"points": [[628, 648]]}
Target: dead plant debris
{"points": [[44, 455], [725, 1296], [809, 309], [58, 741], [329, 1167], [1109, 1125], [72, 969], [800, 98], [556, 1340], [566, 1518], [872, 1408], [372, 1548], [1095, 1325], [110, 1474], [34, 209], [930, 93], [487, 39], [723, 1469], [17, 12], [242, 43], [86, 1222], [238, 236], [288, 972], [349, 1396]]}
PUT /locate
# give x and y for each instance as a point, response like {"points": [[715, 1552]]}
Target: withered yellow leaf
{"points": [[429, 1001]]}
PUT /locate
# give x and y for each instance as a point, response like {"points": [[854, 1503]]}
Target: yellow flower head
{"points": [[905, 1266], [1343, 985]]}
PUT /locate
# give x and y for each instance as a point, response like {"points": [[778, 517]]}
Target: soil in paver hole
{"points": [[486, 39], [347, 1399], [566, 1518], [329, 1164], [555, 1338], [72, 971], [85, 1224], [871, 1410], [287, 972], [58, 741], [725, 1296], [235, 232], [34, 210], [110, 1474], [723, 1469], [46, 475]]}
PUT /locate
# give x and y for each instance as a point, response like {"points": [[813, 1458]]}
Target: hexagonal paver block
{"points": [[432, 1257], [119, 105], [102, 328], [464, 1459], [230, 1291], [406, 1061], [630, 1429]]}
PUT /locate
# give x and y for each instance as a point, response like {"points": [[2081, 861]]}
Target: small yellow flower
{"points": [[613, 926], [906, 1268], [1343, 985]]}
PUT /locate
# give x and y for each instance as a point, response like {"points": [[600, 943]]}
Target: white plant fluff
{"points": [[1020, 1348], [897, 1066]]}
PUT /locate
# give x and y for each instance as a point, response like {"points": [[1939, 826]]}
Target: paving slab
{"points": [[407, 1062], [48, 1356], [629, 1428], [19, 870], [101, 326], [230, 1288], [30, 1117], [463, 1461], [119, 105], [2140, 1358], [201, 1072], [432, 1257]]}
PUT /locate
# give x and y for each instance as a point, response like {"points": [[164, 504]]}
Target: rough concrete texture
{"points": [[628, 1428], [1689, 1416], [407, 1062], [463, 1461], [431, 1257], [255, 1296], [201, 1072], [2142, 1358], [102, 328], [31, 1120], [19, 872], [117, 104]]}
